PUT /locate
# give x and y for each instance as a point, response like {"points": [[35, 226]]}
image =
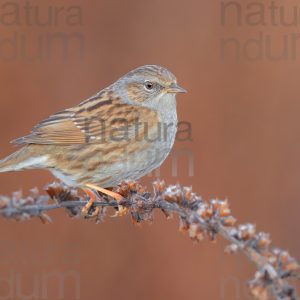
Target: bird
{"points": [[123, 132]]}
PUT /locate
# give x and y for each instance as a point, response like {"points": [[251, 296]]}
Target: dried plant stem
{"points": [[199, 218]]}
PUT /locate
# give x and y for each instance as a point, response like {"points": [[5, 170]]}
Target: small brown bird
{"points": [[123, 132]]}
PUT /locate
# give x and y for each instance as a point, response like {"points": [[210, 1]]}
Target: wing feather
{"points": [[93, 120]]}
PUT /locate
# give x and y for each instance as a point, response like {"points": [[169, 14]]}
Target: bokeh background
{"points": [[245, 141]]}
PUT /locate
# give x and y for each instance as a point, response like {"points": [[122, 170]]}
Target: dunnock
{"points": [[123, 132]]}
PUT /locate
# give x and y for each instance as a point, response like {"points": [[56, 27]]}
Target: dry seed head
{"points": [[246, 231], [292, 266], [159, 186], [204, 211], [173, 194], [187, 191], [183, 225], [229, 221], [263, 240], [195, 232]]}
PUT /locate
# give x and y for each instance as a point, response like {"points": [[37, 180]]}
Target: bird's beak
{"points": [[175, 88]]}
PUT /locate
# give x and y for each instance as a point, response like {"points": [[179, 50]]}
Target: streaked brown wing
{"points": [[94, 121], [57, 129]]}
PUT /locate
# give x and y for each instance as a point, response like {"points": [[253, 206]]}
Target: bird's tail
{"points": [[21, 160]]}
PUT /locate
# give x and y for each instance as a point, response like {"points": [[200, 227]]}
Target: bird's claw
{"points": [[86, 213], [122, 211]]}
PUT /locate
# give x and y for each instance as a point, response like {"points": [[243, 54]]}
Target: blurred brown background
{"points": [[245, 129]]}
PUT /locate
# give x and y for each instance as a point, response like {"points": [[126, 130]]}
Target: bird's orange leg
{"points": [[114, 195], [86, 208], [121, 210]]}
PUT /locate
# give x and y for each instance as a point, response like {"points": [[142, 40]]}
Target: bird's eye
{"points": [[149, 85]]}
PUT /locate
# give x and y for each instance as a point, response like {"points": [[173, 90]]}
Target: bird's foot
{"points": [[122, 211], [86, 210]]}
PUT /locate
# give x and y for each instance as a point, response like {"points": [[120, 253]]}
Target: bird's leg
{"points": [[93, 197], [107, 192], [121, 210]]}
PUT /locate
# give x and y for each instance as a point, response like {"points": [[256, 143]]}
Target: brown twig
{"points": [[199, 218]]}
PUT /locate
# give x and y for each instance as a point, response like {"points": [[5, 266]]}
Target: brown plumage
{"points": [[120, 133]]}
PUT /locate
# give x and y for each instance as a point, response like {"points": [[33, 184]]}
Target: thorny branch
{"points": [[275, 267]]}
